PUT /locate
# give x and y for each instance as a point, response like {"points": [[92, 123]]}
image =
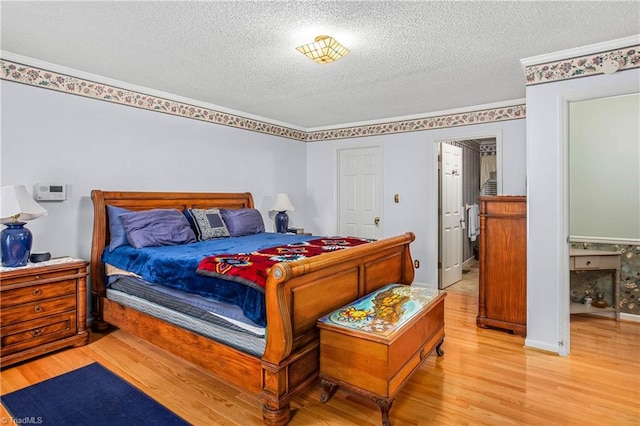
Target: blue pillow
{"points": [[157, 227], [116, 228], [207, 223], [243, 221]]}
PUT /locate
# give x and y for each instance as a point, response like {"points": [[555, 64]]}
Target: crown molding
{"points": [[601, 58], [37, 73], [581, 51], [97, 78], [22, 69]]}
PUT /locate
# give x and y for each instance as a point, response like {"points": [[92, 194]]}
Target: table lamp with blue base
{"points": [[16, 206], [281, 204]]}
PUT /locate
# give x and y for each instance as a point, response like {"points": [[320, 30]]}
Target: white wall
{"points": [[547, 200], [53, 137], [88, 144], [409, 169]]}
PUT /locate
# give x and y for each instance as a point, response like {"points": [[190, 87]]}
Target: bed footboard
{"points": [[298, 293]]}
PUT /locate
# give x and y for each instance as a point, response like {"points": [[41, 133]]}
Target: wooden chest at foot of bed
{"points": [[373, 345]]}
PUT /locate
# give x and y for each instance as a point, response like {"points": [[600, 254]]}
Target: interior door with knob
{"points": [[360, 191], [451, 215]]}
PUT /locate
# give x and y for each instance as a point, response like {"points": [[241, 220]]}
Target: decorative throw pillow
{"points": [[208, 223], [116, 228], [243, 221], [157, 227]]}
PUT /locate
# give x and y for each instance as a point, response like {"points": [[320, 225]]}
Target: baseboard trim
{"points": [[468, 261], [629, 317], [542, 346]]}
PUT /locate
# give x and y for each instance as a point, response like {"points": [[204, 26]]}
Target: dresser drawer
{"points": [[29, 334], [38, 309], [37, 293]]}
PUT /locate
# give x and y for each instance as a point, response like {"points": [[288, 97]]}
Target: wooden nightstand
{"points": [[43, 308], [297, 231]]}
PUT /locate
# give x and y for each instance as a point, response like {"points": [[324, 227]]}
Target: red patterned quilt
{"points": [[252, 269]]}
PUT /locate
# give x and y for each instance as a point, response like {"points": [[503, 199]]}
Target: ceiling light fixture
{"points": [[323, 50]]}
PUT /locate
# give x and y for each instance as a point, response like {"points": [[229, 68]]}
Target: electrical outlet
{"points": [[416, 263]]}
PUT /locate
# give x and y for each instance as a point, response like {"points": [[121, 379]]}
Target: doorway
{"points": [[604, 201], [564, 239], [478, 174]]}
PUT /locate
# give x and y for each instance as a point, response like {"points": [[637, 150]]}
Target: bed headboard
{"points": [[145, 201]]}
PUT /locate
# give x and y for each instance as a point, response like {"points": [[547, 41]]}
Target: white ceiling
{"points": [[407, 58]]}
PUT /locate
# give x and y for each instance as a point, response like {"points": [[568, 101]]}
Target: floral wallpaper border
{"points": [[583, 66], [33, 76], [585, 283], [73, 85], [453, 120], [627, 58]]}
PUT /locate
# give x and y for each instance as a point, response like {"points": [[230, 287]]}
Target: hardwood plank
{"points": [[485, 377]]}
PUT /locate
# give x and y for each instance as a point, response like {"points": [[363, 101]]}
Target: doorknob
{"points": [[376, 220]]}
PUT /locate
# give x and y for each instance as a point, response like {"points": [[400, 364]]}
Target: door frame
{"points": [[564, 278], [497, 135]]}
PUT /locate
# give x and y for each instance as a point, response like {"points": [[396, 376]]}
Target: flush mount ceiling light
{"points": [[323, 50]]}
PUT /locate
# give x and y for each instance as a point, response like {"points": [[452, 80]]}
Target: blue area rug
{"points": [[88, 396]]}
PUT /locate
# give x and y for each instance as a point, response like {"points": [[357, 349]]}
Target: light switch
{"points": [[396, 198]]}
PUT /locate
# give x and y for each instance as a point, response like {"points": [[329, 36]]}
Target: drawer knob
{"points": [[38, 308], [37, 277], [588, 262], [37, 292], [36, 332]]}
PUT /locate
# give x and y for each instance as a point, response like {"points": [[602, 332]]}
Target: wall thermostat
{"points": [[51, 192]]}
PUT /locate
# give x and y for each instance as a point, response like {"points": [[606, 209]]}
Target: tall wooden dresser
{"points": [[503, 263]]}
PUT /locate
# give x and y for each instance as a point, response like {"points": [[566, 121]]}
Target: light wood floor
{"points": [[469, 282], [485, 377]]}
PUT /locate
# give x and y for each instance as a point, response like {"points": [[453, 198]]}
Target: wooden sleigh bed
{"points": [[297, 294]]}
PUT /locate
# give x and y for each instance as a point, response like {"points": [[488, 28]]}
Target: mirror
{"points": [[604, 169]]}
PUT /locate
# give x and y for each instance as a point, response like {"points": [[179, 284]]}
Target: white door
{"points": [[452, 215], [360, 192]]}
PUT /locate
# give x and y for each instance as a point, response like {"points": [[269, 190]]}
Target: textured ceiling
{"points": [[407, 58]]}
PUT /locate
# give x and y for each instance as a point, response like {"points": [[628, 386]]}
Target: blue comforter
{"points": [[175, 266]]}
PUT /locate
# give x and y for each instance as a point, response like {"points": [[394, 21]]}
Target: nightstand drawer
{"points": [[43, 308], [36, 293], [28, 334], [36, 277]]}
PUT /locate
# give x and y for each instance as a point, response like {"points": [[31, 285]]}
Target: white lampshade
{"points": [[282, 204], [17, 205]]}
